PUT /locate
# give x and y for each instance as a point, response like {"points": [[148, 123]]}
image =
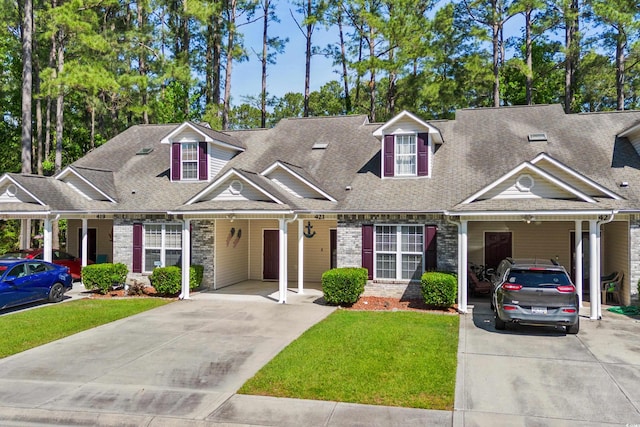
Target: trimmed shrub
{"points": [[168, 280], [439, 289], [196, 273], [104, 277], [343, 285]]}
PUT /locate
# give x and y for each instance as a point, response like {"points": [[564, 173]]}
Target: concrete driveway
{"points": [[181, 360], [532, 376]]}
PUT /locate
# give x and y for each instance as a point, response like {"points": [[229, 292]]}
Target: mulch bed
{"points": [[369, 303]]}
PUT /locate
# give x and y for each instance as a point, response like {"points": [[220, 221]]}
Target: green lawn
{"points": [[382, 358], [31, 328]]}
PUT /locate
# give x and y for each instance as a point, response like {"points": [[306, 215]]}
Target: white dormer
{"points": [[407, 146], [198, 154]]}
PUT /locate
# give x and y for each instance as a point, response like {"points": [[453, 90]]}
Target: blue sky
{"points": [[287, 75]]}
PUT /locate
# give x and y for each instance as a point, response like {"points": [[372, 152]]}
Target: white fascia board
{"points": [[230, 212], [586, 180], [6, 177], [71, 171], [298, 177], [167, 139], [436, 135], [629, 131], [527, 165], [215, 184], [540, 213]]}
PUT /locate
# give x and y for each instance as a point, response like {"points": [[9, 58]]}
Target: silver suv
{"points": [[534, 292]]}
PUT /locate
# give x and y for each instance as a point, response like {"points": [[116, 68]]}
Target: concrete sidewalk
{"points": [[179, 365], [540, 376]]}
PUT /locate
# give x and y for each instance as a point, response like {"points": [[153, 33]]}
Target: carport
{"points": [[573, 239]]}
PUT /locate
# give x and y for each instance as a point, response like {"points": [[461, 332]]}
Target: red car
{"points": [[59, 257]]}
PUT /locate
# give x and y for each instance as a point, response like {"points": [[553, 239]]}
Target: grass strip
{"points": [[404, 359], [27, 329]]}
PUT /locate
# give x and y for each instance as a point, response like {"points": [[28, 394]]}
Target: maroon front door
{"points": [[271, 255], [497, 246]]}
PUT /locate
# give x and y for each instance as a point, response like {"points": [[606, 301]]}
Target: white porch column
{"points": [[594, 280], [84, 244], [578, 261], [48, 240], [25, 234], [186, 257], [462, 266], [598, 251], [282, 260], [300, 256]]}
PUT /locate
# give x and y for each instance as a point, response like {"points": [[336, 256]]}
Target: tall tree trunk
{"points": [[620, 48], [27, 85], [529, 56], [39, 124], [59, 105], [216, 64], [572, 54], [307, 60], [142, 63], [343, 60], [231, 34], [372, 78], [391, 90], [496, 63], [265, 41]]}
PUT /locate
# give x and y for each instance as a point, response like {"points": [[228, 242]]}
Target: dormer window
{"points": [[406, 155], [189, 161], [189, 157]]}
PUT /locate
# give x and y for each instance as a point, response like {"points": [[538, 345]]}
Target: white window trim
{"points": [[163, 246], [398, 252], [196, 161], [396, 155]]}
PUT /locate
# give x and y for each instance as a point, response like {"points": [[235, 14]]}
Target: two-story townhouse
{"points": [[399, 198]]}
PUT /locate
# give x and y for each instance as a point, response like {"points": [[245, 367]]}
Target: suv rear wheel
{"points": [[573, 329], [500, 324]]}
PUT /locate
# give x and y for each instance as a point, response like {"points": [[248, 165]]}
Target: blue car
{"points": [[23, 281]]}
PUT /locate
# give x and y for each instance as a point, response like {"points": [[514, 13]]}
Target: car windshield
{"points": [[538, 278]]}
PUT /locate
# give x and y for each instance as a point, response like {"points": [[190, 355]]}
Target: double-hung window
{"points": [[399, 251], [162, 245], [406, 155], [189, 160]]}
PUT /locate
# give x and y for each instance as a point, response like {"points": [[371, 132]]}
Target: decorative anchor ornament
{"points": [[309, 234]]}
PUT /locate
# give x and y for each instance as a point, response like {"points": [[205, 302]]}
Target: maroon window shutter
{"points": [[175, 161], [203, 174], [389, 155], [423, 154], [430, 248], [137, 248], [367, 248]]}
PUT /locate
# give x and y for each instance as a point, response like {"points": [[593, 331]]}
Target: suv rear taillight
{"points": [[512, 286], [566, 288]]}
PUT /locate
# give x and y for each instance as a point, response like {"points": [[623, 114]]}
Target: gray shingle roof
{"points": [[480, 146]]}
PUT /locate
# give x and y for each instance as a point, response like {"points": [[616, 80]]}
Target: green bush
{"points": [[196, 273], [103, 277], [439, 289], [168, 280], [343, 285]]}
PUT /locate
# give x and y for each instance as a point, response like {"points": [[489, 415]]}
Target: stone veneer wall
{"points": [[203, 248], [123, 246], [350, 249], [634, 256]]}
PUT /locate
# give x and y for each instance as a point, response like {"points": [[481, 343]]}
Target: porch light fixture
{"points": [[528, 218]]}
